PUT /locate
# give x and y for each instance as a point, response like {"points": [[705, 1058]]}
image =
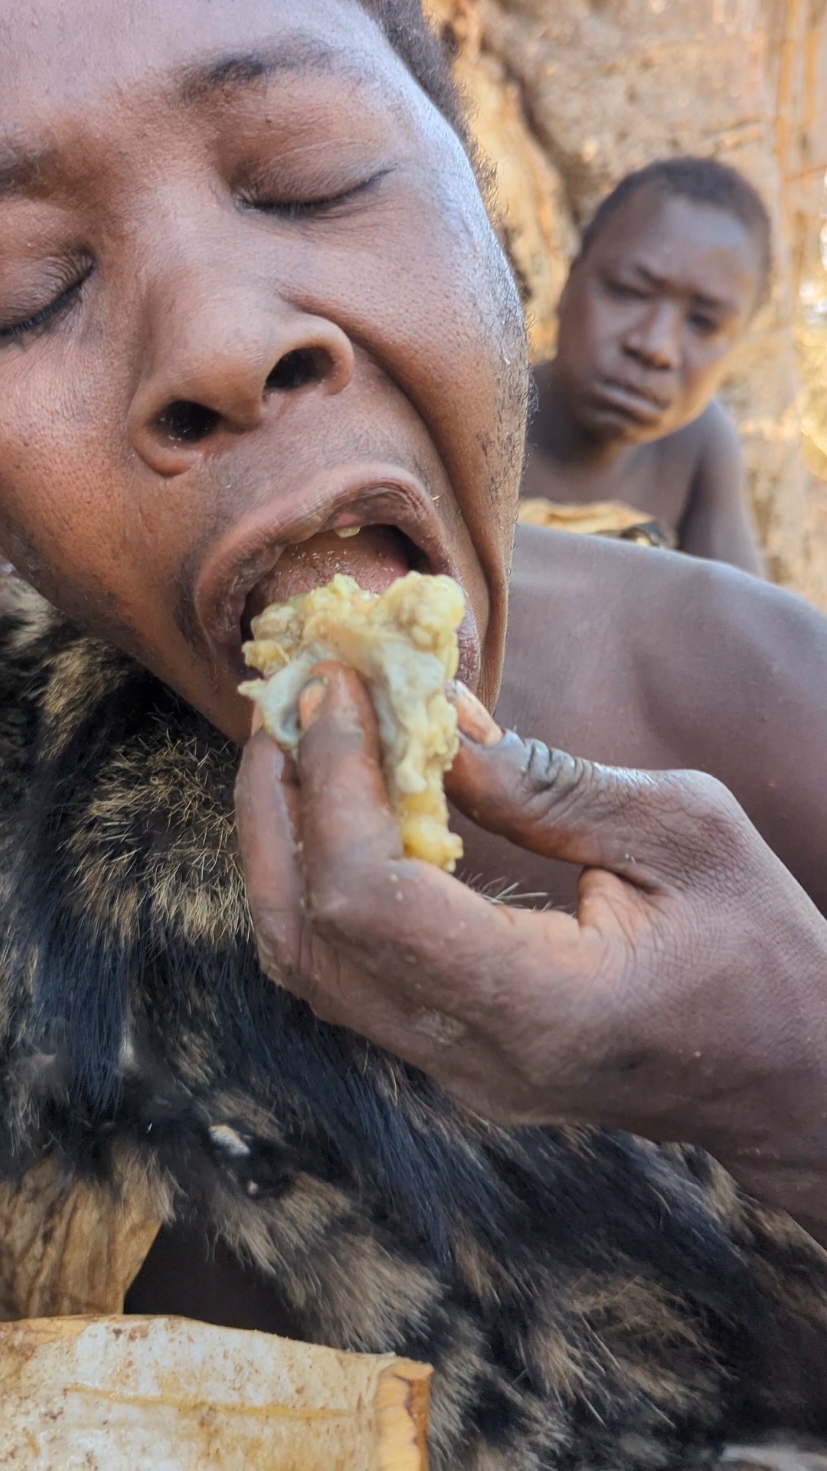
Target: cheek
{"points": [[464, 366], [63, 489], [704, 367], [443, 319], [459, 348], [595, 326], [47, 446]]}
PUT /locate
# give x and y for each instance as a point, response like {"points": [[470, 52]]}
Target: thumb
{"points": [[654, 829]]}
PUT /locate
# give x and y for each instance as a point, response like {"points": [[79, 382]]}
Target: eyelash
{"points": [[291, 209], [298, 209], [617, 288], [41, 320], [703, 325]]}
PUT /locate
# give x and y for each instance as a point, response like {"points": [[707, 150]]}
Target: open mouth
{"points": [[373, 526], [374, 555]]}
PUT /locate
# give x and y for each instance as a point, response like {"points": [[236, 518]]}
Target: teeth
{"points": [[345, 531]]}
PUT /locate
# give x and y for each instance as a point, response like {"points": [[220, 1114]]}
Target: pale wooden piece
{"points": [[168, 1394], [73, 1247], [565, 516], [598, 518]]}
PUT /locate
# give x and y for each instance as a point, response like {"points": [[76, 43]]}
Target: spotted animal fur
{"points": [[589, 1302]]}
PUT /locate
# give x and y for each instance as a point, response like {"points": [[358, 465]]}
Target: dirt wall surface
{"points": [[569, 95]]}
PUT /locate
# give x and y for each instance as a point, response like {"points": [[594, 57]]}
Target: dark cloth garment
{"points": [[587, 1299]]}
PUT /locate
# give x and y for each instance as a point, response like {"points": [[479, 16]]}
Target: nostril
{"points": [[186, 422], [298, 368]]}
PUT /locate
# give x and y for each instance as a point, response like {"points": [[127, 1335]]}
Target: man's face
{"points": [[248, 294], [650, 315]]}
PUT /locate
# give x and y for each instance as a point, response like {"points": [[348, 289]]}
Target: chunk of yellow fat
{"points": [[403, 642]]}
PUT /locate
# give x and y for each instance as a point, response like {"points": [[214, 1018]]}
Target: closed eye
{"points": [[704, 326], [324, 204], [45, 316], [626, 293]]}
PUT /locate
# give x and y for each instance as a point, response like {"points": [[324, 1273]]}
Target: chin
{"points": [[612, 426]]}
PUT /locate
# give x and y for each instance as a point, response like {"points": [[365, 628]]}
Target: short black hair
{"points": [[702, 181], [426, 55]]}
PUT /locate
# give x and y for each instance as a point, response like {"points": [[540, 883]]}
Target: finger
{"points": [[414, 959], [651, 828], [368, 895], [267, 814], [345, 813]]}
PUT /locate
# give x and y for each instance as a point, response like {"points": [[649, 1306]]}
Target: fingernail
{"points": [[310, 701], [257, 721], [472, 717]]}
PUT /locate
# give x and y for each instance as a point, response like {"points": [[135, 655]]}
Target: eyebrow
{"points": [[719, 303], [25, 170], [237, 71], [33, 171]]}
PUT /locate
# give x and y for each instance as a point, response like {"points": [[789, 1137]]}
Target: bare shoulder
{"points": [[709, 438], [646, 658], [718, 521], [718, 436]]}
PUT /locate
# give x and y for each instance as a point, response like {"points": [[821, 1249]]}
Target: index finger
{"points": [[407, 921], [266, 801]]}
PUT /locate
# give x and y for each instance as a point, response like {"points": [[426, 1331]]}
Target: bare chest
{"points": [[653, 479]]}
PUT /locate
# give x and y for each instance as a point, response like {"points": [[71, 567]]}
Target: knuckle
{"points": [[550, 781], [272, 953], [328, 906], [712, 827], [703, 794], [270, 959], [340, 901]]}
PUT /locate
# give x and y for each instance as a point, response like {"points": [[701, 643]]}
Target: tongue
{"points": [[375, 558]]}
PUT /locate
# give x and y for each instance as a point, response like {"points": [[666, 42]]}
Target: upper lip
{"points": [[636, 390], [373, 495]]}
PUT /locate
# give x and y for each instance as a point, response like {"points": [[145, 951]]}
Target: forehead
{"points": [[679, 242], [60, 58]]}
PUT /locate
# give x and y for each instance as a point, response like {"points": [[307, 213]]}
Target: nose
{"points": [[655, 337], [218, 355]]}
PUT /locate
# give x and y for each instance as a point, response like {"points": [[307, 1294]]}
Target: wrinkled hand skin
{"points": [[685, 1000]]}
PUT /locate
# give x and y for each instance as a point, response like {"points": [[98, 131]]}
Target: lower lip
{"points": [[628, 402]]}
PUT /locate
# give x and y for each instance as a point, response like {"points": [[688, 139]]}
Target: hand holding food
{"points": [[653, 1009]]}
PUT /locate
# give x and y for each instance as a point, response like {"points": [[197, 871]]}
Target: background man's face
{"points": [[248, 293], [650, 315]]}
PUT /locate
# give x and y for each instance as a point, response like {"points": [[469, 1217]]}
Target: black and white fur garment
{"points": [[587, 1300]]}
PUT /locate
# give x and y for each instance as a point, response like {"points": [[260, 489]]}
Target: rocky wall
{"points": [[568, 95]]}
